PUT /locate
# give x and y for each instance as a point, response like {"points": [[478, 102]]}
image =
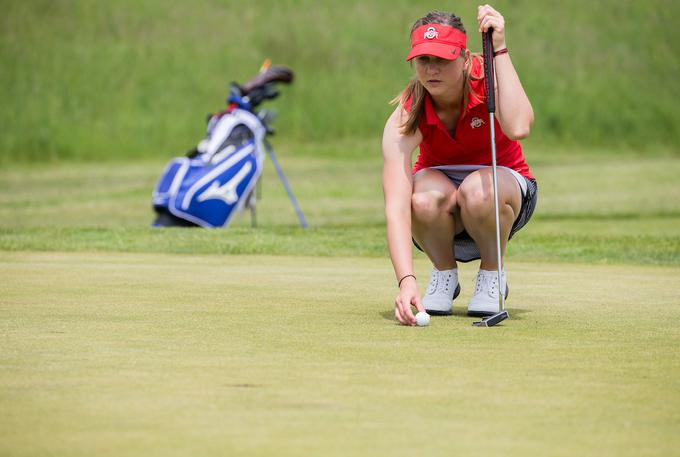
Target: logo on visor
{"points": [[431, 33]]}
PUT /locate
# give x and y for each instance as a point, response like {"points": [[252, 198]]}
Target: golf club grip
{"points": [[487, 49]]}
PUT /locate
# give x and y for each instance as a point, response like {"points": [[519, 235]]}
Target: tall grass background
{"points": [[92, 80]]}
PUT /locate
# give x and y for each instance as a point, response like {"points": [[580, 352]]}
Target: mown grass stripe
{"points": [[368, 241]]}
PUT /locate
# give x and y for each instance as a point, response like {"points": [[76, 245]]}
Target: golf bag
{"points": [[217, 178]]}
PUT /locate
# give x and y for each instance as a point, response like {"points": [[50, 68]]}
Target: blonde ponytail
{"points": [[417, 93]]}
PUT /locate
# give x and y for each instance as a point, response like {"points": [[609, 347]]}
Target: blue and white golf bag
{"points": [[218, 177], [210, 187]]}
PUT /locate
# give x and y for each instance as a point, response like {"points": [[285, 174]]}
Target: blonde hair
{"points": [[415, 91]]}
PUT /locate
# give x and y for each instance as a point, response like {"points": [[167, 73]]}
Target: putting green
{"points": [[162, 355]]}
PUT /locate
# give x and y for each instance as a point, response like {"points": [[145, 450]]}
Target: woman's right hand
{"points": [[408, 296]]}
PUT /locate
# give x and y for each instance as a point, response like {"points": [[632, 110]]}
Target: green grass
{"points": [[153, 354], [131, 79], [591, 208], [119, 339]]}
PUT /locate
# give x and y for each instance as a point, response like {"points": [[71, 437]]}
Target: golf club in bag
{"points": [[487, 46], [218, 177]]}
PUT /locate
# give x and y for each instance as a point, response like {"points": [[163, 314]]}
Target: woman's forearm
{"points": [[515, 113], [399, 240]]}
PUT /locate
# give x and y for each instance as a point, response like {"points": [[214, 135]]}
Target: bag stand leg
{"points": [[251, 203], [284, 181], [255, 195]]}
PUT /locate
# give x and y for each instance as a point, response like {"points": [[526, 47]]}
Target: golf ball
{"points": [[422, 319]]}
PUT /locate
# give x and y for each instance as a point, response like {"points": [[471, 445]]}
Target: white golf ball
{"points": [[422, 319]]}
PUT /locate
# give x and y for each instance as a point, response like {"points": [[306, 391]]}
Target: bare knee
{"points": [[426, 205], [475, 198]]}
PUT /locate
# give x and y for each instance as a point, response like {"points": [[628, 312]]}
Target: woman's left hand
{"points": [[488, 17]]}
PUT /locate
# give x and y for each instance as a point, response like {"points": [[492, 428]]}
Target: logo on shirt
{"points": [[476, 122], [431, 33]]}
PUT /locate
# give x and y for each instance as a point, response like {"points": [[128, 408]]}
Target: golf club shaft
{"points": [[487, 45], [501, 290]]}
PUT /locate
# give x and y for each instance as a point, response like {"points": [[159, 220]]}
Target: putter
{"points": [[487, 46]]}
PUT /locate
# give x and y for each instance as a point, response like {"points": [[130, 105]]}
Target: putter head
{"points": [[492, 320]]}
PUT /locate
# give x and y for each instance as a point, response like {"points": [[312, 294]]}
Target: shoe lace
{"points": [[440, 281], [488, 283]]}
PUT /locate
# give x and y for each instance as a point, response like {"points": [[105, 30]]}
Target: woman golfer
{"points": [[445, 203]]}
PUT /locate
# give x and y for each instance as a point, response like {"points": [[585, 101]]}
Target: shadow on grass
{"points": [[515, 313]]}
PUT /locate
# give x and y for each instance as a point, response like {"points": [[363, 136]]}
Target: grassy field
{"points": [[151, 354], [123, 340], [97, 81], [596, 208]]}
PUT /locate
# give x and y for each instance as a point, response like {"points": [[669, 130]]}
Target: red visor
{"points": [[437, 40]]}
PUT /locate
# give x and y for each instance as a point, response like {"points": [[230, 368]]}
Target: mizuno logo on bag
{"points": [[227, 191]]}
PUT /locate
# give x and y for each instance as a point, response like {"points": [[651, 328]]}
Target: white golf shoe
{"points": [[484, 301], [443, 288]]}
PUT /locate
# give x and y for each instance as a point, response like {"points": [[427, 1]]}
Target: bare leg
{"points": [[476, 202], [434, 212]]}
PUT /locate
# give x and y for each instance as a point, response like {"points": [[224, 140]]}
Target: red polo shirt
{"points": [[472, 142]]}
